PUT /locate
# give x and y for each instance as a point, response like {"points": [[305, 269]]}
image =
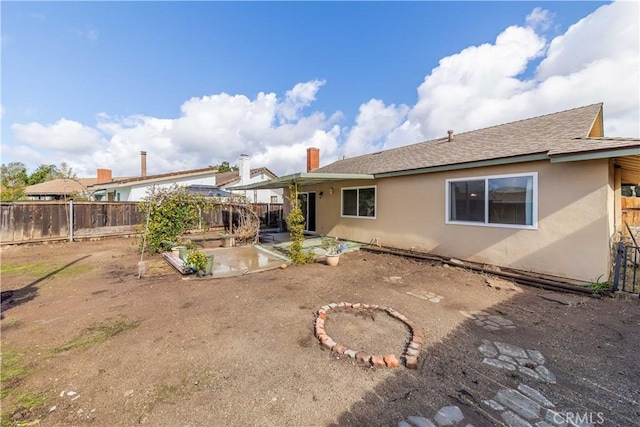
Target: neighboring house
{"points": [[205, 181], [59, 189], [244, 176], [539, 195], [136, 189]]}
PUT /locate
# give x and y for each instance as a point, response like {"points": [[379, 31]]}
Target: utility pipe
{"points": [[519, 278]]}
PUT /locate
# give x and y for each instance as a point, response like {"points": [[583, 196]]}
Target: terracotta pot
{"points": [[333, 260]]}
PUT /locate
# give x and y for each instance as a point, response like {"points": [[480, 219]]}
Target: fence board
{"points": [[630, 213], [45, 220]]}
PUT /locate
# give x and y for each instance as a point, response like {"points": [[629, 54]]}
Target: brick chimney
{"points": [[104, 175], [313, 158], [143, 164]]}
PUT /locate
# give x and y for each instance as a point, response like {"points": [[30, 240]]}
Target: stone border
{"points": [[410, 354]]}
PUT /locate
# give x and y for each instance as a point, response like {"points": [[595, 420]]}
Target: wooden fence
{"points": [[630, 212], [23, 222]]}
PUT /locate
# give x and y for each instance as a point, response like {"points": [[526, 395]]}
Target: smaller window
{"points": [[118, 197], [274, 199], [359, 202]]}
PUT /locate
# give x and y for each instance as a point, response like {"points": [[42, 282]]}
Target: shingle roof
{"points": [[557, 133], [162, 175], [226, 178], [583, 145], [60, 186]]}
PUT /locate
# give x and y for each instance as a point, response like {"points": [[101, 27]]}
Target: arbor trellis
{"points": [[170, 212]]}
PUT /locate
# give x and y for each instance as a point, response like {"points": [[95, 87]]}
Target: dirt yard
{"points": [[84, 341]]}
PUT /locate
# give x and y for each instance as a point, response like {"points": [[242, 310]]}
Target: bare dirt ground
{"points": [[86, 342]]}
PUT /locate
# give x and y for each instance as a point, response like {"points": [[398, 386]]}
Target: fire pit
{"points": [[411, 350]]}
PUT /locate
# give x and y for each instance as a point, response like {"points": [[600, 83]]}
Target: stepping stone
{"points": [[499, 364], [519, 403], [536, 356], [479, 313], [513, 420], [561, 298], [507, 359], [420, 421], [488, 350], [556, 418], [530, 372], [500, 320], [494, 405], [448, 416], [468, 315], [510, 350], [546, 374], [535, 395]]}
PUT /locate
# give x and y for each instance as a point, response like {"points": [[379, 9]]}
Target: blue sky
{"points": [[197, 83]]}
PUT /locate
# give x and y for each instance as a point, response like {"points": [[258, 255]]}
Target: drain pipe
{"points": [[518, 278], [71, 219]]}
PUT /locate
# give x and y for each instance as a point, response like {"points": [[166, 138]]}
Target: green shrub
{"points": [[168, 213], [197, 260], [295, 222]]}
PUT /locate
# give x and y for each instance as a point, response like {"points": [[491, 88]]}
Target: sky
{"points": [[197, 83]]}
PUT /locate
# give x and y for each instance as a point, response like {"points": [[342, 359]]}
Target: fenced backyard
{"points": [[23, 222]]}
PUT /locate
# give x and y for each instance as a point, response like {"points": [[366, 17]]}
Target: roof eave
{"points": [[467, 165], [595, 155], [308, 178]]}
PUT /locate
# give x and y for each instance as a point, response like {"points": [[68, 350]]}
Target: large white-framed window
{"points": [[359, 202], [496, 201]]}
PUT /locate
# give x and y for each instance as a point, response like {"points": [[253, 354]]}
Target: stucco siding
{"points": [[571, 239]]}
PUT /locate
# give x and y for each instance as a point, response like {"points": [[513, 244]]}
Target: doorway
{"points": [[308, 207]]}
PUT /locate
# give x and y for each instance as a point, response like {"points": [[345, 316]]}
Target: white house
{"points": [[204, 181], [244, 176]]}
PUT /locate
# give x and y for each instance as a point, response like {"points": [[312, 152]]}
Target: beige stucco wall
{"points": [[572, 238]]}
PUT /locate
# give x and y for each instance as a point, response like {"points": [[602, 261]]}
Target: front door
{"points": [[308, 207]]}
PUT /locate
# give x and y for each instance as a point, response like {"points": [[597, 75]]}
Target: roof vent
{"points": [[450, 132]]}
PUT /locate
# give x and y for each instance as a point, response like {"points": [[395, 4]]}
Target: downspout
{"points": [[617, 198]]}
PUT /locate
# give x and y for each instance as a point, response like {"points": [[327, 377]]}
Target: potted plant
{"points": [[333, 248], [197, 260]]}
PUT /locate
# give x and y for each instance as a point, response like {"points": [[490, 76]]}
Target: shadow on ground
{"points": [[16, 297], [591, 348]]}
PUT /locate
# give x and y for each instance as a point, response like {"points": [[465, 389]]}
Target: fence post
{"points": [[71, 220], [620, 258], [268, 218]]}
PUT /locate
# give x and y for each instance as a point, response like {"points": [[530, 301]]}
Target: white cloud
{"points": [[596, 59], [540, 19], [374, 123], [63, 135], [457, 93], [211, 129], [302, 95]]}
